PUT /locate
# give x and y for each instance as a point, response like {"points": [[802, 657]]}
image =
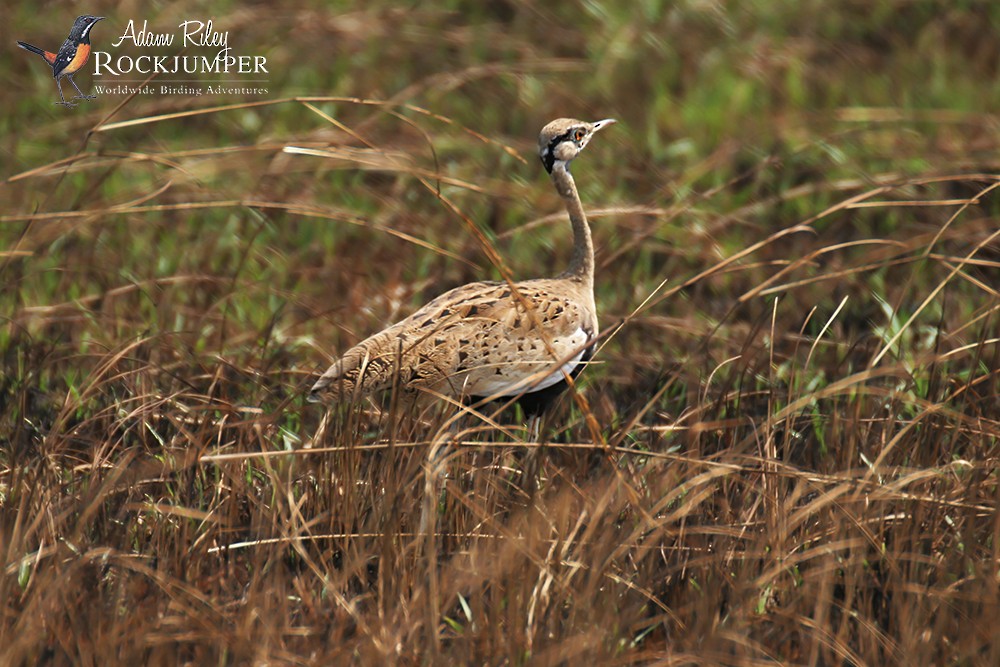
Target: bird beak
{"points": [[601, 124]]}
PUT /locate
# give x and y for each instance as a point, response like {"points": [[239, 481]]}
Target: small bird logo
{"points": [[72, 56]]}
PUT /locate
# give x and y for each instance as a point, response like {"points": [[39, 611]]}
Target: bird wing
{"points": [[67, 52], [481, 339]]}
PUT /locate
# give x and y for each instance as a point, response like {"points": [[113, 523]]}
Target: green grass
{"points": [[787, 449]]}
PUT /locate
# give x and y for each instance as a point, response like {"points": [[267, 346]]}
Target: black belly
{"points": [[535, 403]]}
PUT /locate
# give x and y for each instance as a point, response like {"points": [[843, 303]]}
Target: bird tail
{"points": [[32, 48], [369, 364]]}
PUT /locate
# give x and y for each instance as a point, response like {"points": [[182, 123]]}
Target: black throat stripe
{"points": [[549, 156]]}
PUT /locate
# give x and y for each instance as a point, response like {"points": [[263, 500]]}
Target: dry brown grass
{"points": [[784, 493], [788, 447]]}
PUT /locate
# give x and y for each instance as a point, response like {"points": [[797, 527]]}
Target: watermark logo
{"points": [[202, 62], [71, 56]]}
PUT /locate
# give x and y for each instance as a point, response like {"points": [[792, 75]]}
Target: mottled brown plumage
{"points": [[490, 339]]}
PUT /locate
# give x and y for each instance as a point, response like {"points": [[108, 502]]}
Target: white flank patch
{"points": [[516, 380]]}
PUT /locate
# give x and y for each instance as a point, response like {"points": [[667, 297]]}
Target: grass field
{"points": [[786, 450]]}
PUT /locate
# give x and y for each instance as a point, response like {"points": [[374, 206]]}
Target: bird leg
{"points": [[531, 465], [435, 475], [62, 100], [534, 428], [81, 96]]}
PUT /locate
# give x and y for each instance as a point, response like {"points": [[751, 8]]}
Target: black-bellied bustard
{"points": [[491, 339]]}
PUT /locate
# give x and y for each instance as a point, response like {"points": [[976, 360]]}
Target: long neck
{"points": [[581, 265]]}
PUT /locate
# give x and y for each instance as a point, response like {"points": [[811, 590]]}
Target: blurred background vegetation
{"points": [[163, 270]]}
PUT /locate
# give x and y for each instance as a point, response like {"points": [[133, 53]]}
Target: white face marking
{"points": [[567, 150], [86, 31]]}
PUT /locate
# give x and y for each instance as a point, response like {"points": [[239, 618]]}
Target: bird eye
{"points": [[579, 135]]}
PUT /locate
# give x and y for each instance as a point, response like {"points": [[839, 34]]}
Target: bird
{"points": [[491, 340], [71, 57]]}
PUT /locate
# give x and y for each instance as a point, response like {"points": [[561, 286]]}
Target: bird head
{"points": [[82, 26], [564, 138]]}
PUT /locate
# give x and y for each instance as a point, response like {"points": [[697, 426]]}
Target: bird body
{"points": [[490, 339], [71, 57], [477, 340]]}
